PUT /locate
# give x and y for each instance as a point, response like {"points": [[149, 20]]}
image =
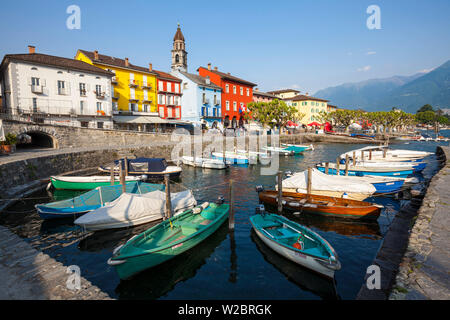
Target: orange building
{"points": [[236, 94]]}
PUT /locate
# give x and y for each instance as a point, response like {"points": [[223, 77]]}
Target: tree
{"points": [[273, 113], [426, 117], [425, 108]]}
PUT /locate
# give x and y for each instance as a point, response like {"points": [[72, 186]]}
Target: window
{"points": [[99, 106], [100, 125], [84, 124], [61, 87], [98, 89], [160, 86], [227, 88], [227, 105], [35, 81], [133, 107], [215, 100], [35, 108], [82, 89], [177, 88], [248, 92], [169, 86], [204, 111], [115, 106], [160, 99], [234, 106], [204, 98], [242, 106], [312, 110], [145, 108], [234, 89], [317, 110], [242, 91]]}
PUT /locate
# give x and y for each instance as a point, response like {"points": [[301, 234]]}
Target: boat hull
{"points": [[397, 174], [231, 159], [68, 185]]}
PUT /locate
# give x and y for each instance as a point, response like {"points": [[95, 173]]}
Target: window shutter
{"points": [[29, 81], [43, 82], [67, 87]]}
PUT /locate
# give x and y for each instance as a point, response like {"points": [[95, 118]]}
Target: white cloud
{"points": [[364, 69], [371, 52], [295, 86]]}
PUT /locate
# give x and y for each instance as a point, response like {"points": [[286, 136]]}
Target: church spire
{"points": [[179, 54]]}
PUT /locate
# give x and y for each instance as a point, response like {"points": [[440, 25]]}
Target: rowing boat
{"points": [[231, 157], [91, 200], [322, 205], [205, 163], [87, 183], [296, 243], [303, 146], [152, 168], [168, 239]]}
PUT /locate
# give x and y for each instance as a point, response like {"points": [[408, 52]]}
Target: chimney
{"points": [[215, 68], [95, 55], [256, 89], [307, 94], [207, 80], [150, 67], [127, 64], [31, 49], [209, 66]]}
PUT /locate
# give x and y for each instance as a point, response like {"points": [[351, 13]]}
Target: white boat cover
{"points": [[133, 209], [377, 151], [323, 182]]}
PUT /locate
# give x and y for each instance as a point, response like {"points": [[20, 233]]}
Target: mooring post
{"points": [[384, 152], [346, 164], [231, 213], [112, 174], [280, 191], [122, 177], [354, 158], [126, 167], [309, 185], [337, 166], [370, 154], [327, 166], [168, 198]]}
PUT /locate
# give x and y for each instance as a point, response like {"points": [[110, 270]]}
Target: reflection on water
{"points": [[219, 268], [302, 277]]}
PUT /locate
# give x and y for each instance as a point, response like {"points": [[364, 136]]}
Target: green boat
{"points": [[87, 183], [168, 239]]}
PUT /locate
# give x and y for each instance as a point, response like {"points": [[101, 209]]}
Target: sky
{"points": [[302, 44]]}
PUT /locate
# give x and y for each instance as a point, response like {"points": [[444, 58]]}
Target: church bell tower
{"points": [[179, 54]]}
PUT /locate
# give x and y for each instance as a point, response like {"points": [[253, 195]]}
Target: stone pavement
{"points": [[425, 269], [27, 274]]}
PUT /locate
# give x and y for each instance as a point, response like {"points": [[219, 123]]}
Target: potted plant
{"points": [[10, 140]]}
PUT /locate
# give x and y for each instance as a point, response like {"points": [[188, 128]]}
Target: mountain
{"points": [[406, 92]]}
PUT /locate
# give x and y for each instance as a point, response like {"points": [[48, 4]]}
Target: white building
{"points": [[55, 90]]}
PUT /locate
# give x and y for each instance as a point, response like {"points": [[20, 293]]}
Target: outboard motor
{"points": [[220, 200], [260, 209], [259, 188]]}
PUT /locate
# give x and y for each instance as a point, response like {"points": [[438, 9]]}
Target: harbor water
{"points": [[227, 265]]}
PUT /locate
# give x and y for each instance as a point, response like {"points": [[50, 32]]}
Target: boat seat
{"points": [[313, 251], [286, 233], [189, 228], [269, 224]]}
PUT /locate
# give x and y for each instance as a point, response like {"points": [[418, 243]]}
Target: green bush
{"points": [[11, 139]]}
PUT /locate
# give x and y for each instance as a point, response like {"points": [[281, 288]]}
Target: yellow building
{"points": [[310, 106], [134, 88]]}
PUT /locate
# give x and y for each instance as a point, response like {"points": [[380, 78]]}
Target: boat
{"points": [[254, 156], [92, 200], [205, 163], [307, 147], [297, 149], [87, 183], [130, 210], [416, 166], [362, 170], [328, 185], [168, 239], [296, 243], [322, 205], [231, 157], [153, 168], [279, 150], [378, 152]]}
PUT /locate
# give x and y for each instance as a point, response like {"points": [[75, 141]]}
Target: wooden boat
{"points": [[152, 168], [363, 171], [205, 163], [323, 205], [296, 243], [87, 183], [231, 157], [91, 200], [168, 239]]}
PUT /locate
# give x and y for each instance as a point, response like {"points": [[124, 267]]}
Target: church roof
{"points": [[178, 35]]}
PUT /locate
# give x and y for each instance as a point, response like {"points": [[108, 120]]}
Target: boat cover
{"points": [[145, 164], [132, 208], [323, 182]]}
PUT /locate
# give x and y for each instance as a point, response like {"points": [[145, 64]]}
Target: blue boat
{"points": [[231, 157], [296, 149], [417, 166], [91, 200], [388, 187], [396, 173]]}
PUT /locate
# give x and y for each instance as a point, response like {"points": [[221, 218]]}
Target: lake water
{"points": [[227, 265]]}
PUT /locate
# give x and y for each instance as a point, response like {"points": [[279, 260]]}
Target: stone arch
{"points": [[41, 137]]}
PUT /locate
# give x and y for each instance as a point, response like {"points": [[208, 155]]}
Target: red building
{"points": [[236, 93], [169, 95]]}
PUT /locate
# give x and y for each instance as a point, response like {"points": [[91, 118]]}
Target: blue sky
{"points": [[305, 44]]}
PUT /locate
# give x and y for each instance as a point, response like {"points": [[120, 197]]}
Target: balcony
{"points": [[36, 89], [63, 91], [136, 99], [100, 95], [146, 100], [146, 86], [114, 80], [83, 93], [134, 83], [206, 101]]}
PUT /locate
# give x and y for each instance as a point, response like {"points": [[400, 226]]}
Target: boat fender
{"points": [[197, 210], [297, 213], [298, 245], [294, 204], [204, 205], [48, 186]]}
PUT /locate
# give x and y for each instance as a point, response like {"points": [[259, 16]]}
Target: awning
{"points": [[138, 119]]}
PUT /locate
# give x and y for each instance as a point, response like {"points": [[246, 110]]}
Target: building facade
{"points": [[134, 91], [310, 106], [284, 93], [56, 90], [236, 94], [259, 96], [201, 99], [169, 96]]}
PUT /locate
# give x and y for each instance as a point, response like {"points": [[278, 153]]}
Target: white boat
{"points": [[254, 156], [135, 209], [378, 151], [328, 185], [231, 157], [206, 163], [308, 147], [278, 150]]}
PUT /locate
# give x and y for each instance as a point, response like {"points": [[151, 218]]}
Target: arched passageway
{"points": [[35, 139]]}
